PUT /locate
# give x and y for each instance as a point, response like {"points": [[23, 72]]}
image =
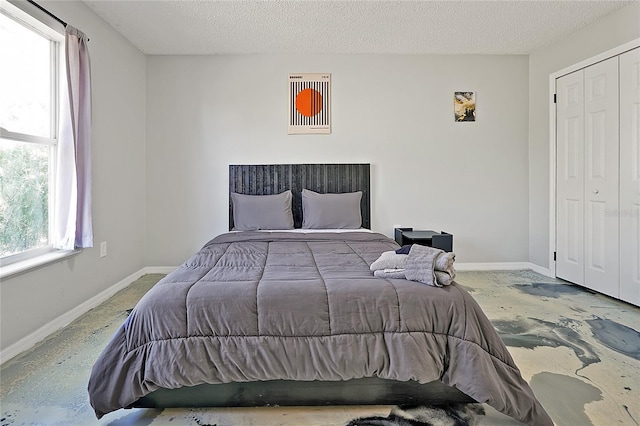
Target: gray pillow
{"points": [[254, 212], [331, 211]]}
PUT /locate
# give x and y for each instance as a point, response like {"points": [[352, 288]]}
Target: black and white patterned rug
{"points": [[425, 415]]}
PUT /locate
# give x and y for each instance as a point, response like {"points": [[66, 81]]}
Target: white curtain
{"points": [[73, 226]]}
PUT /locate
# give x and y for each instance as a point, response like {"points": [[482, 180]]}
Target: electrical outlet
{"points": [[103, 249]]}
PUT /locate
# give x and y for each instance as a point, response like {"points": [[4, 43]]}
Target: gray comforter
{"points": [[266, 306]]}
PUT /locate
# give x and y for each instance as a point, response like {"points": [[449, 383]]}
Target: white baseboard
{"points": [[65, 319], [539, 269], [159, 269], [493, 266], [503, 266]]}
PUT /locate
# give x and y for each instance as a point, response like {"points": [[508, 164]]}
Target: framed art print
{"points": [[309, 104], [464, 106]]}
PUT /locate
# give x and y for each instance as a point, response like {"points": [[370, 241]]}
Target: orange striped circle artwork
{"points": [[309, 102]]}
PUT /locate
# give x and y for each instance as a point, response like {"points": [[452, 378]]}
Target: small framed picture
{"points": [[464, 106], [309, 104]]}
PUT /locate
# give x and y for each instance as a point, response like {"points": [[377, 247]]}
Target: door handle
{"points": [[595, 191]]}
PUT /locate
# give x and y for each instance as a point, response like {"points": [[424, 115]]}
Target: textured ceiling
{"points": [[351, 27]]}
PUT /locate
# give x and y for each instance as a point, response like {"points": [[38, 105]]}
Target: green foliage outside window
{"points": [[24, 202]]}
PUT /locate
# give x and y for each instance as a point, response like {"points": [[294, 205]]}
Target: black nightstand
{"points": [[442, 240]]}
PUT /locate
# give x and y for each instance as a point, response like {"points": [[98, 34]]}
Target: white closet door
{"points": [[601, 177], [630, 176], [570, 177]]}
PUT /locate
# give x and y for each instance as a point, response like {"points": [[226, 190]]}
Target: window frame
{"points": [[35, 20]]}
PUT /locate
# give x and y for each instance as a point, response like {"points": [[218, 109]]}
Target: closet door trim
{"points": [[552, 136]]}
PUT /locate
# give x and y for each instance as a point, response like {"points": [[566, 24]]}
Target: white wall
{"points": [[611, 31], [486, 182], [31, 300], [394, 111]]}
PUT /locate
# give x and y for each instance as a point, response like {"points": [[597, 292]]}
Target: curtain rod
{"points": [[47, 12]]}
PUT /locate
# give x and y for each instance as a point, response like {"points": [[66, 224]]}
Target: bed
{"points": [[293, 315]]}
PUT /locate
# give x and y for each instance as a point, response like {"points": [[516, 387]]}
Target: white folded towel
{"points": [[389, 260], [444, 262], [390, 273], [423, 264], [420, 265], [444, 270]]}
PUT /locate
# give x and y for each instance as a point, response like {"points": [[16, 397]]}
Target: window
{"points": [[30, 53]]}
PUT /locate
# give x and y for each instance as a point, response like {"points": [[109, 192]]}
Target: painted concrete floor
{"points": [[579, 351]]}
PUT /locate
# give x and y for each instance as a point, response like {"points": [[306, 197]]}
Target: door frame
{"points": [[552, 135]]}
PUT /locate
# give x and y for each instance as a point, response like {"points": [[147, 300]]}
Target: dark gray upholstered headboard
{"points": [[269, 179]]}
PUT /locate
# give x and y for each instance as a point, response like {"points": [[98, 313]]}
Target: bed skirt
{"points": [[365, 391]]}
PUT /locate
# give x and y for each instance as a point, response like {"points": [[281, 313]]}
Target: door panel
{"points": [[570, 177], [596, 235], [630, 176], [601, 181], [574, 232]]}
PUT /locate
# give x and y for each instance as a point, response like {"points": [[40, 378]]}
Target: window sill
{"points": [[23, 266]]}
